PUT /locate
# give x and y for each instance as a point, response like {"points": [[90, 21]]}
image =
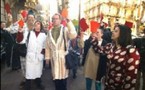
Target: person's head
{"points": [[56, 19], [122, 35], [99, 33], [93, 35], [38, 26], [30, 19], [3, 24]]}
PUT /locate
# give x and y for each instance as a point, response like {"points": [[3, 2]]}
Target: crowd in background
{"points": [[111, 59]]}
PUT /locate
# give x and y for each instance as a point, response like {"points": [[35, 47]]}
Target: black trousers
{"points": [[16, 64], [60, 84], [29, 81], [28, 84]]}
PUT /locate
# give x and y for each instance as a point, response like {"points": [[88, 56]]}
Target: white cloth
{"points": [[56, 53], [100, 42], [34, 58]]}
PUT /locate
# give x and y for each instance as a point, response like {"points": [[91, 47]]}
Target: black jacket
{"points": [[87, 45], [140, 45], [102, 64]]}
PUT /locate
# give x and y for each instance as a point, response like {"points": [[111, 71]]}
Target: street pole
{"points": [[79, 16]]}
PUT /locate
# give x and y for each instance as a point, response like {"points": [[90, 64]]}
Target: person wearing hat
{"points": [[30, 20], [28, 26], [123, 60]]}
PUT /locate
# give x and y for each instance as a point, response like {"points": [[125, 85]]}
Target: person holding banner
{"points": [[123, 60], [55, 50], [27, 26], [35, 54], [94, 63]]}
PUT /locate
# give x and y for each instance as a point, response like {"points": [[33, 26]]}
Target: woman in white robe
{"points": [[34, 56]]}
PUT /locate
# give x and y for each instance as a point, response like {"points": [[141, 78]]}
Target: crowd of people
{"points": [[111, 59]]}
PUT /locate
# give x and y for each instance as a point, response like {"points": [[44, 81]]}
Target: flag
{"points": [[50, 25], [64, 13], [24, 13], [7, 8], [21, 23], [94, 26], [83, 24], [105, 24], [129, 24]]}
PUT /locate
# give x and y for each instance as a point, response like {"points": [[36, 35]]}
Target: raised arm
{"points": [[101, 49], [71, 30], [81, 41]]}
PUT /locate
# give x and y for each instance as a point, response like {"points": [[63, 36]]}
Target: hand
{"points": [[47, 61], [93, 39], [67, 20], [81, 34], [20, 29]]}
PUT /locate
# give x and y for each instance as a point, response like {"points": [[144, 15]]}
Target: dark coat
{"points": [[107, 35], [75, 50], [87, 45], [140, 44], [102, 64], [7, 43]]}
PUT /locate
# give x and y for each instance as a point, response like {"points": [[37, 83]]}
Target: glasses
{"points": [[55, 18]]}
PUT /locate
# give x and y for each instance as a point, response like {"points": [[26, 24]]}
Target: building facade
{"points": [[116, 11]]}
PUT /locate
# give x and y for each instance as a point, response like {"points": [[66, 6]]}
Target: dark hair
{"points": [[125, 36], [102, 30], [41, 25]]}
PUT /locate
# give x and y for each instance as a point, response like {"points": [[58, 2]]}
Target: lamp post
{"points": [[79, 16]]}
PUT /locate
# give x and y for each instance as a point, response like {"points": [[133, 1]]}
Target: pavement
{"points": [[10, 80]]}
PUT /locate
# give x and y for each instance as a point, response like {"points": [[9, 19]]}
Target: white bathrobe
{"points": [[56, 53], [34, 58]]}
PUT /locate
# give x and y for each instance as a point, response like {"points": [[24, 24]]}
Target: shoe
{"points": [[74, 76], [41, 87], [16, 68], [22, 84]]}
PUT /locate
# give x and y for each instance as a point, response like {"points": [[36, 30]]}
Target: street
{"points": [[10, 80]]}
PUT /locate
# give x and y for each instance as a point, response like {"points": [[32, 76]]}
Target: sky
{"points": [[74, 8]]}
